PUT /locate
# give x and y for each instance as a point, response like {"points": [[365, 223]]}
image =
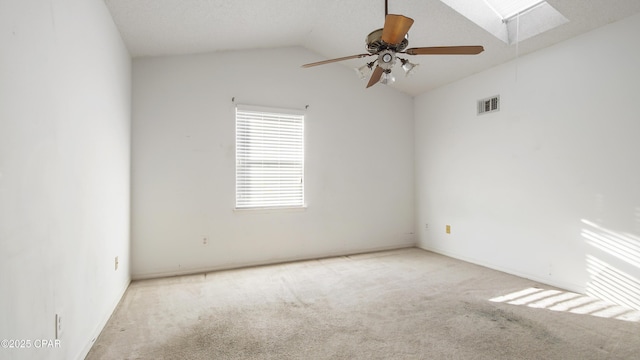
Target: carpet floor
{"points": [[401, 304]]}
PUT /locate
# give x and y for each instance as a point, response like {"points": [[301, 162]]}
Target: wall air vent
{"points": [[488, 105]]}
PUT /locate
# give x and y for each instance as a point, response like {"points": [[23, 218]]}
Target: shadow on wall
{"points": [[613, 264], [564, 301]]}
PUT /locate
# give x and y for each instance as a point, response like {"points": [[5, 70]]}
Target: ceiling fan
{"points": [[391, 40]]}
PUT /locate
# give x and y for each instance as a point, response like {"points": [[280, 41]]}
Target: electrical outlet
{"points": [[116, 262], [448, 229], [58, 326], [426, 226], [205, 240]]}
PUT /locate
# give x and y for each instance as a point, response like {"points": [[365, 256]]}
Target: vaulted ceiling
{"points": [[333, 28]]}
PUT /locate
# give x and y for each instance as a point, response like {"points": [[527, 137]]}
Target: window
{"points": [[510, 8], [511, 21], [269, 158]]}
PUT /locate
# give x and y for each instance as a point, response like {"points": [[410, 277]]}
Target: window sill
{"points": [[264, 210]]}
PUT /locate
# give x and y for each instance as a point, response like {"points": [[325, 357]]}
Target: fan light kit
{"points": [[390, 41]]}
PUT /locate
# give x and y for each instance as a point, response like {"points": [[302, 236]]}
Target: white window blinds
{"points": [[269, 158]]}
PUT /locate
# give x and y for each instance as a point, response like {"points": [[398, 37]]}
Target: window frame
{"points": [[242, 179]]}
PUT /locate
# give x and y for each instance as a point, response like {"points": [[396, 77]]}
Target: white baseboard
{"points": [[548, 281], [156, 275], [105, 318]]}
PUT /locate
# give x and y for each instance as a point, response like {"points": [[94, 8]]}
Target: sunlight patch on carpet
{"points": [[565, 301]]}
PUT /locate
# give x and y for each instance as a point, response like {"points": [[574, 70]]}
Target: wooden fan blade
{"points": [[446, 50], [375, 77], [395, 28], [335, 60]]}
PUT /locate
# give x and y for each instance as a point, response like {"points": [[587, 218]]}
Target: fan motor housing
{"points": [[375, 44]]}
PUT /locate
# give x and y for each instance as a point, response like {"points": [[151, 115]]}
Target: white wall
{"points": [[549, 187], [359, 162], [65, 106]]}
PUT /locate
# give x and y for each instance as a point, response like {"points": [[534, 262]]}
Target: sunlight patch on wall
{"points": [[564, 301], [608, 282], [624, 246], [613, 264]]}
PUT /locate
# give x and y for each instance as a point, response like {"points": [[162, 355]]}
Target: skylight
{"points": [[510, 8], [511, 21]]}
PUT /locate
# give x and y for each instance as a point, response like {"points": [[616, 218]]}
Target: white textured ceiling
{"points": [[333, 28]]}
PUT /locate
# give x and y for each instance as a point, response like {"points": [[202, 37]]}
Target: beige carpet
{"points": [[403, 304]]}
